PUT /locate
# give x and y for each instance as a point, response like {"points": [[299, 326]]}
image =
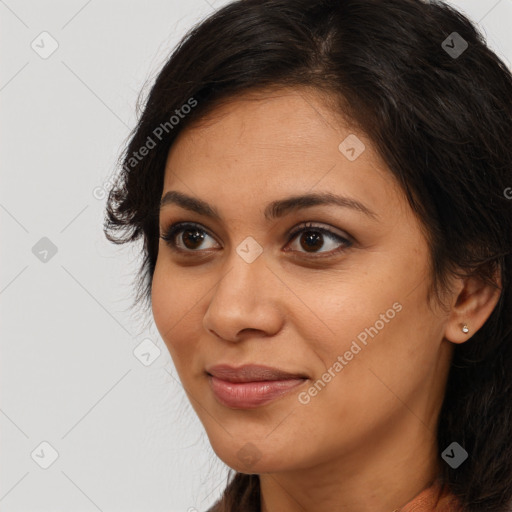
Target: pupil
{"points": [[194, 236], [312, 239]]}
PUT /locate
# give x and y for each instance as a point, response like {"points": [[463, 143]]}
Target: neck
{"points": [[378, 477]]}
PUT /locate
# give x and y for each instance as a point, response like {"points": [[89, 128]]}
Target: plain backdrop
{"points": [[92, 415]]}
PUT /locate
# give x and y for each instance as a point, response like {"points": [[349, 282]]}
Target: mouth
{"points": [[252, 373], [251, 386]]}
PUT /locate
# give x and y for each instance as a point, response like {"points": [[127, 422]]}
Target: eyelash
{"points": [[174, 229]]}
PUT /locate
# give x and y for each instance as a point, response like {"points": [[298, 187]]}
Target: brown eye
{"points": [[185, 237], [313, 238], [192, 238]]}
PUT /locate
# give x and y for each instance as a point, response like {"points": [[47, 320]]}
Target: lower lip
{"points": [[249, 395]]}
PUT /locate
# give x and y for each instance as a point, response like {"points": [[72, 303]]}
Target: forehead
{"points": [[265, 143], [283, 120]]}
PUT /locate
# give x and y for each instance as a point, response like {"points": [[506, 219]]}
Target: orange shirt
{"points": [[433, 499]]}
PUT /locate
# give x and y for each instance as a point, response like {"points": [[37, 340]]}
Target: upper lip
{"points": [[251, 373]]}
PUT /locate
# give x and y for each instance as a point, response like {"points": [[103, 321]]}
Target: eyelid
{"points": [[330, 231]]}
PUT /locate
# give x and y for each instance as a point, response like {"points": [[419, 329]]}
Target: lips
{"points": [[252, 373], [251, 386]]}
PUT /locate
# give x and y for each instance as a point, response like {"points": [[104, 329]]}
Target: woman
{"points": [[323, 191]]}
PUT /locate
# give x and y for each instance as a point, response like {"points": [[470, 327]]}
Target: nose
{"points": [[245, 301]]}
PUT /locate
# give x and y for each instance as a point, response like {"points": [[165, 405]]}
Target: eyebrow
{"points": [[274, 209]]}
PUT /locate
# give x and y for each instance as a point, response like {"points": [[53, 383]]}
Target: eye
{"points": [[191, 237], [312, 238]]}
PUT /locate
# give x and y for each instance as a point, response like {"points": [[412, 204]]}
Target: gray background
{"points": [[126, 437]]}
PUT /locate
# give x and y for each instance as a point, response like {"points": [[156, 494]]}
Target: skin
{"points": [[366, 441]]}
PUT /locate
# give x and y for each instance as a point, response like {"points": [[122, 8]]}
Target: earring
{"points": [[465, 329]]}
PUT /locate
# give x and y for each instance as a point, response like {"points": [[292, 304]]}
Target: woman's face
{"points": [[346, 308]]}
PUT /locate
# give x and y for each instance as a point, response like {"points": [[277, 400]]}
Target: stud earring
{"points": [[465, 329]]}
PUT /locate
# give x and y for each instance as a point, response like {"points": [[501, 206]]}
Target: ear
{"points": [[474, 303]]}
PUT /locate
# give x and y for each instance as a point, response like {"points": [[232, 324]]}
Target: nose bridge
{"points": [[242, 299], [245, 275]]}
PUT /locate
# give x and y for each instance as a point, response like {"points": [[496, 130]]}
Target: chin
{"points": [[252, 467], [252, 458]]}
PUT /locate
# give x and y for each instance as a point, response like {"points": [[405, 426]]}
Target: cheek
{"points": [[377, 316], [345, 309], [173, 311], [161, 301]]}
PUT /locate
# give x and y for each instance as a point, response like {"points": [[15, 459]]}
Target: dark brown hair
{"points": [[442, 122]]}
